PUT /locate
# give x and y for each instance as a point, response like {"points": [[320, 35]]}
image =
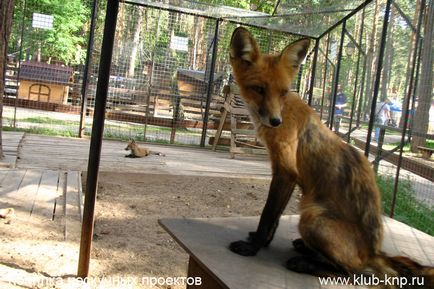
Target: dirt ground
{"points": [[128, 240]]}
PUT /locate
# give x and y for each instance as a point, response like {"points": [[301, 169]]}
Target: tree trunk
{"points": [[421, 117], [6, 14], [136, 42]]}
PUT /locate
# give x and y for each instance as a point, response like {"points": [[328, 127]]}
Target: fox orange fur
{"points": [[340, 212], [139, 152]]}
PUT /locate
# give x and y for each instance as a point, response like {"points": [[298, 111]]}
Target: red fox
{"points": [[340, 212], [138, 152]]}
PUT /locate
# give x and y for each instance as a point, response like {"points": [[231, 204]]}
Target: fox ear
{"points": [[243, 46], [133, 141], [294, 53]]}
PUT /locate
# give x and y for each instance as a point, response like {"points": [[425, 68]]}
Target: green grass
{"points": [[44, 119], [43, 131], [406, 149], [408, 209]]}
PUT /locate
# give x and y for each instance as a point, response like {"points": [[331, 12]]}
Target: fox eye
{"points": [[258, 89], [284, 92]]}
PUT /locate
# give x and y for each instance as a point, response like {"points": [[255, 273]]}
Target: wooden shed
{"points": [[44, 82]]}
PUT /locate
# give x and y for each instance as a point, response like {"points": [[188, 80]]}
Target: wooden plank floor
{"points": [[46, 195], [10, 142], [73, 153]]}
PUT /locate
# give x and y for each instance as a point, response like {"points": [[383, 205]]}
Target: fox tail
{"points": [[403, 272]]}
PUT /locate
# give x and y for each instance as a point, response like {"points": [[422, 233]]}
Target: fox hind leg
{"points": [[329, 247]]}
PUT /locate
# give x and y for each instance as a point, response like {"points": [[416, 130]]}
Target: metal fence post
{"points": [[96, 138], [87, 69], [336, 77], [210, 84], [378, 76], [312, 77], [407, 106]]}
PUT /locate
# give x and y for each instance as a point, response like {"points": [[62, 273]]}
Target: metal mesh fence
{"points": [[164, 60], [45, 59]]}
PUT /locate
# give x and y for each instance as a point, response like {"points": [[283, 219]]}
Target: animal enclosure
{"points": [[170, 66]]}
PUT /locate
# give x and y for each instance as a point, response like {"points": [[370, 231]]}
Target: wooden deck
{"points": [[207, 240], [42, 152], [44, 195]]}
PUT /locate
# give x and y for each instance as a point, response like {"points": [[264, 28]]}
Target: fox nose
{"points": [[275, 121]]}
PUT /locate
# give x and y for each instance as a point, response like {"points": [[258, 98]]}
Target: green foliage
{"points": [[408, 209], [67, 40]]}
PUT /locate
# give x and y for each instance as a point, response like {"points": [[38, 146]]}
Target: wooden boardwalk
{"points": [[44, 195], [43, 152]]}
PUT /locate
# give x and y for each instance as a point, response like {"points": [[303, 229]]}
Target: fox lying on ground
{"points": [[340, 212], [138, 152]]}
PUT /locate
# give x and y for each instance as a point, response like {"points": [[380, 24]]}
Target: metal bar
{"points": [[210, 84], [287, 14], [378, 76], [355, 42], [336, 78], [356, 82], [312, 77], [275, 7], [148, 5], [213, 18], [407, 105], [379, 149], [404, 16], [361, 6], [326, 56], [416, 80], [268, 28], [20, 55], [87, 69], [325, 75], [362, 87], [96, 138]]}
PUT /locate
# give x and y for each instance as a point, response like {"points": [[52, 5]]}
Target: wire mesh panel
{"points": [[372, 86], [160, 71], [407, 94], [45, 56]]}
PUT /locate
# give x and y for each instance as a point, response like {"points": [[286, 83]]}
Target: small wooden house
{"points": [[44, 82]]}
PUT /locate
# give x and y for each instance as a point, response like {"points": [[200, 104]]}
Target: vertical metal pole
{"points": [[336, 78], [407, 106], [20, 55], [378, 76], [362, 86], [356, 82], [312, 77], [325, 75], [96, 138], [87, 69], [210, 84]]}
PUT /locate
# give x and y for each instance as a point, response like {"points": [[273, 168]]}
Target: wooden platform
{"points": [[44, 195], [10, 142], [207, 240]]}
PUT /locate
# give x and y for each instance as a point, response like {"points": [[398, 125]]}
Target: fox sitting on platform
{"points": [[341, 224], [138, 152]]}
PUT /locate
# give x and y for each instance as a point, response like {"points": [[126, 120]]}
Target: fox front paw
{"points": [[244, 248]]}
